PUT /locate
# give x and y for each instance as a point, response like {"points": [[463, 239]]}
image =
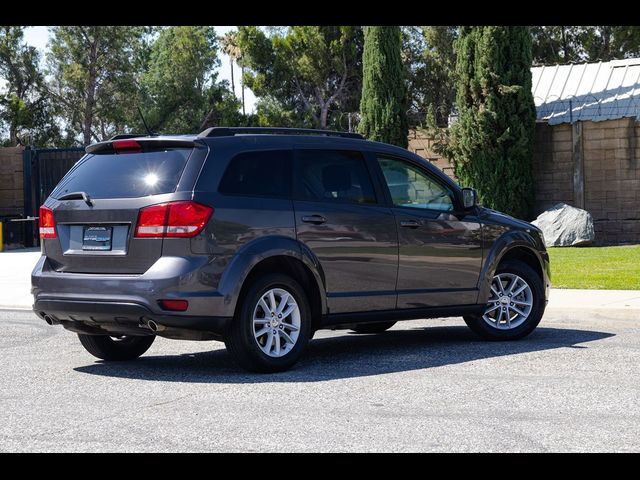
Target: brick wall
{"points": [[610, 166], [552, 166], [421, 144], [11, 192], [612, 179], [611, 174]]}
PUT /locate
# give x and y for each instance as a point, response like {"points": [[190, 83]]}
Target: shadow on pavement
{"points": [[348, 356]]}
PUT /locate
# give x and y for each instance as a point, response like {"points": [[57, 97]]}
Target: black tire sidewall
{"points": [[254, 358], [105, 348], [478, 325]]}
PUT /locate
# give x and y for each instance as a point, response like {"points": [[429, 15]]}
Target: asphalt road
{"points": [[427, 385]]}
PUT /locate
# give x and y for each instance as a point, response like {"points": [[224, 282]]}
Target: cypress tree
{"points": [[383, 106], [492, 141]]}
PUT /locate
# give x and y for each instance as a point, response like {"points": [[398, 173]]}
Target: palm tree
{"points": [[231, 48]]}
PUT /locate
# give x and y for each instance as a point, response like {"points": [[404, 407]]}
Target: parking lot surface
{"points": [[426, 385]]}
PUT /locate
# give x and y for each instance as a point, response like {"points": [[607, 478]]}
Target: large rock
{"points": [[565, 226]]}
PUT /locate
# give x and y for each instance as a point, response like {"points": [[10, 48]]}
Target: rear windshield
{"points": [[125, 175]]}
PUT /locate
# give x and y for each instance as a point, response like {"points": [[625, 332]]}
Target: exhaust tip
{"points": [[49, 320], [152, 325]]}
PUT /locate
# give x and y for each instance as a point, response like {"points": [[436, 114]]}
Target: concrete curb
{"points": [[594, 299]]}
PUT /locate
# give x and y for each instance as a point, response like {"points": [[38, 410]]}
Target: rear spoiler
{"points": [[138, 145]]}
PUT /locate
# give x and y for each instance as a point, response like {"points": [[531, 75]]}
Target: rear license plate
{"points": [[97, 238]]}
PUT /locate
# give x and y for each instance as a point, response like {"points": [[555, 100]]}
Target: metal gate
{"points": [[43, 169]]}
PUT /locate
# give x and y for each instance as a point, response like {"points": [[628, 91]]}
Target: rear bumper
{"points": [[110, 317], [95, 303]]}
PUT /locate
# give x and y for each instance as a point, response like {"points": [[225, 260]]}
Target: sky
{"points": [[39, 36]]}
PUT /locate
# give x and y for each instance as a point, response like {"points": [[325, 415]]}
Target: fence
{"points": [[43, 169], [11, 196]]}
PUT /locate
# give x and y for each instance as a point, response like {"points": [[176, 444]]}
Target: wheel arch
{"points": [[511, 246], [296, 269], [283, 255], [525, 255]]}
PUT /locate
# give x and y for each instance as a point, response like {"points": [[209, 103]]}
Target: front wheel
{"points": [[272, 326], [124, 347], [516, 304]]}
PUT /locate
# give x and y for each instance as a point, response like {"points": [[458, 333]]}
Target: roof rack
{"points": [[231, 131]]}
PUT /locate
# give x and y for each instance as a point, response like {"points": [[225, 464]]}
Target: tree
{"points": [[384, 95], [440, 63], [605, 43], [558, 44], [413, 48], [272, 113], [180, 84], [94, 77], [24, 106], [310, 70], [231, 48], [492, 141], [429, 60]]}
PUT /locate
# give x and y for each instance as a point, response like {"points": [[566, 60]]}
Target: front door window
{"points": [[409, 187]]}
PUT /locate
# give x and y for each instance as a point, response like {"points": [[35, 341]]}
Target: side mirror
{"points": [[469, 197]]}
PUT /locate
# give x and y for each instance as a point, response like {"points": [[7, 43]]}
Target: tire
{"points": [[376, 327], [269, 352], [116, 349], [487, 329]]}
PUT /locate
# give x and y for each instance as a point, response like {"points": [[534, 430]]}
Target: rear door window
{"points": [[125, 175], [333, 176], [264, 174]]}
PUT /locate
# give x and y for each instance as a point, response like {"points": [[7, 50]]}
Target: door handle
{"points": [[409, 223], [315, 219]]}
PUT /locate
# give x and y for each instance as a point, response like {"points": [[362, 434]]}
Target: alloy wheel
{"points": [[510, 303], [276, 322]]}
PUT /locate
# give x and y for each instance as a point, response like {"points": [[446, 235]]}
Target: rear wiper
{"points": [[77, 196]]}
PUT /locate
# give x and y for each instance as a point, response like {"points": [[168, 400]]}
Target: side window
{"points": [[410, 187], [331, 175], [266, 173]]}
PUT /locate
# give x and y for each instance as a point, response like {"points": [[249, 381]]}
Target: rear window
{"points": [[125, 175], [265, 174]]}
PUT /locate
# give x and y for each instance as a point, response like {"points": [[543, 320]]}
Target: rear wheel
{"points": [[516, 304], [272, 326], [124, 347], [377, 327]]}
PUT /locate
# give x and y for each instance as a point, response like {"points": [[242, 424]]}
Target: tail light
{"points": [[174, 305], [47, 223], [126, 146], [173, 219]]}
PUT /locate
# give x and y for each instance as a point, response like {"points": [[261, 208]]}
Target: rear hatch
{"points": [[96, 205]]}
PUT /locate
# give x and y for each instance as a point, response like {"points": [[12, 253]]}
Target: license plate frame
{"points": [[97, 238]]}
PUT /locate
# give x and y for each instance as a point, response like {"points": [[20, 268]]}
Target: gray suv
{"points": [[259, 237]]}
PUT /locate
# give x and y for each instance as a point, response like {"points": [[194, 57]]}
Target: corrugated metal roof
{"points": [[588, 91]]}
